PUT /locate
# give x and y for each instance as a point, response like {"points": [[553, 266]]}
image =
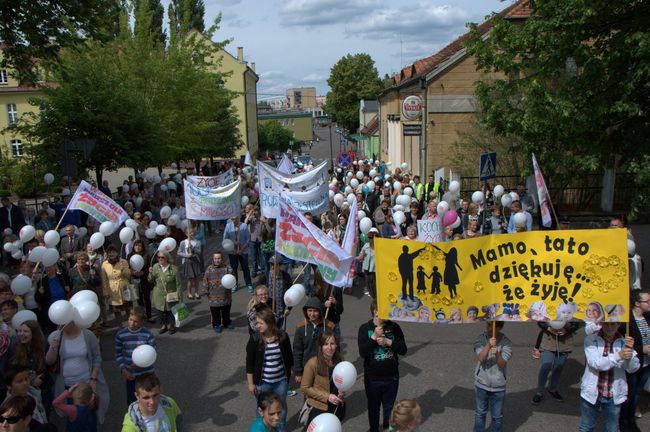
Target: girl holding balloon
{"points": [[138, 275], [317, 384]]}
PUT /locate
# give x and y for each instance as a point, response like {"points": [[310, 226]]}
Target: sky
{"points": [[294, 43]]}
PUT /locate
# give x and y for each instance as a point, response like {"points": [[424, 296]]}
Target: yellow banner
{"points": [[538, 275]]}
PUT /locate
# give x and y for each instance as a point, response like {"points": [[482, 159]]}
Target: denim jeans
{"points": [[554, 363], [381, 393], [280, 389], [264, 264], [635, 383], [589, 414], [493, 401], [235, 262], [254, 252]]}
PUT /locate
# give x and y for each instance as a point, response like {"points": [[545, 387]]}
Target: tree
{"points": [[188, 15], [573, 86], [272, 136], [38, 29], [155, 21], [352, 78]]}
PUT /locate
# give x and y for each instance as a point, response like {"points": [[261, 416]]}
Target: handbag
{"points": [[303, 415], [171, 297]]}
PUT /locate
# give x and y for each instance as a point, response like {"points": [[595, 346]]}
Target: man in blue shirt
{"points": [[515, 208], [238, 232]]}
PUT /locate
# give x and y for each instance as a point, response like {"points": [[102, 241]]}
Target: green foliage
{"points": [[145, 104], [572, 85], [154, 20], [352, 78], [188, 15], [24, 179], [272, 136], [38, 29]]}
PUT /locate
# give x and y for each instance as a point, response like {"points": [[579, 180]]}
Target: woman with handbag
{"points": [[317, 385], [115, 280], [166, 280]]}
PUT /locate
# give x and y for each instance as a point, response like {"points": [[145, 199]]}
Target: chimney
{"points": [[253, 66], [240, 54]]}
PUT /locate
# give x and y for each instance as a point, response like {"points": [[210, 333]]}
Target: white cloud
{"points": [[272, 75], [314, 78], [325, 12]]}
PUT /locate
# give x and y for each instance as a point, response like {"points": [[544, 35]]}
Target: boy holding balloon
{"points": [[126, 341]]}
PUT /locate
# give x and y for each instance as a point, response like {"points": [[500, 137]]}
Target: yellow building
{"points": [[14, 102], [444, 85], [243, 81], [299, 123]]}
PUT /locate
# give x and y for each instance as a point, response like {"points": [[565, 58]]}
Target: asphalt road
{"points": [[205, 372]]}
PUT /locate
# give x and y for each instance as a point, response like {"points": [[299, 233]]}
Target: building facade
{"points": [[299, 123]]}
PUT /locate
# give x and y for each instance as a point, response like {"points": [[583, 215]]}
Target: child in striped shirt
{"points": [[127, 340]]}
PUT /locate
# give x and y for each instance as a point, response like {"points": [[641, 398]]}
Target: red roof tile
{"points": [[519, 10], [371, 127]]}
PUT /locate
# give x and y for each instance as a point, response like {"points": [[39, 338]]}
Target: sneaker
{"points": [[250, 289], [536, 354], [637, 414], [367, 293], [172, 330], [537, 398], [162, 330], [217, 329], [557, 396], [292, 393]]}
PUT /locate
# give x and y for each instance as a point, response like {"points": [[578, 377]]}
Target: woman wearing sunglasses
{"points": [[16, 414], [166, 280]]}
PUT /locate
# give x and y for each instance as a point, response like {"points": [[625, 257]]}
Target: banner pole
{"points": [[327, 310], [550, 204], [494, 329], [55, 229], [299, 274]]}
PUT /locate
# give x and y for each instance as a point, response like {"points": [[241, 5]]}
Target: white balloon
{"points": [[60, 312], [8, 231], [478, 197], [167, 245], [405, 166], [454, 187], [153, 224], [161, 230], [228, 245], [351, 198], [50, 257], [456, 223], [520, 219], [65, 192], [354, 183], [107, 228], [506, 200], [48, 178], [9, 247], [21, 316], [408, 191], [51, 238], [348, 190], [137, 262], [344, 376], [360, 175], [156, 179], [171, 185], [36, 254], [84, 296], [26, 233], [126, 235], [338, 199], [17, 254], [173, 220], [165, 212], [361, 214], [399, 217], [557, 324], [371, 186], [21, 285], [631, 248], [83, 231], [372, 173], [96, 240], [150, 233], [398, 207], [326, 422], [30, 301], [365, 224], [183, 225], [331, 195], [244, 201], [144, 356], [134, 186], [293, 296], [228, 281], [173, 165], [443, 207], [514, 195], [86, 313], [397, 185], [498, 191]]}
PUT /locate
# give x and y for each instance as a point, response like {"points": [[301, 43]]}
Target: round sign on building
{"points": [[412, 108]]}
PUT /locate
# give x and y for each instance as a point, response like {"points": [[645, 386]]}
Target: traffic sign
{"points": [[488, 166], [344, 159]]}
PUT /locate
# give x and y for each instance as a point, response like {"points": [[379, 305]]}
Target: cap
{"points": [[373, 231]]}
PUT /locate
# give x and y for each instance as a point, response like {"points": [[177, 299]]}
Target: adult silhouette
{"points": [[405, 266]]}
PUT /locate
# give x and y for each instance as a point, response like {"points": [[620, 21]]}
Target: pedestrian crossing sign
{"points": [[488, 166]]}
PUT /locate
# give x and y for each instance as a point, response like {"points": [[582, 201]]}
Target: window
{"points": [[12, 114], [16, 148], [3, 77]]}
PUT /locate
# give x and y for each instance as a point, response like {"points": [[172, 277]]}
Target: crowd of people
{"points": [[51, 367]]}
